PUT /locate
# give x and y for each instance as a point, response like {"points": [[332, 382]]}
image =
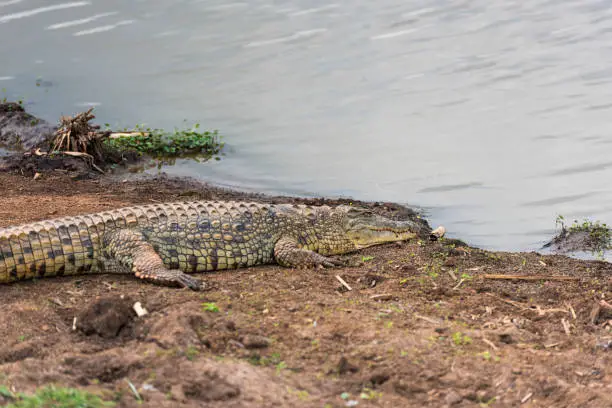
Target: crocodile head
{"points": [[364, 228]]}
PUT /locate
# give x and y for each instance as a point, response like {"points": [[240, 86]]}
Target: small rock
{"points": [[230, 325], [453, 398], [252, 341]]}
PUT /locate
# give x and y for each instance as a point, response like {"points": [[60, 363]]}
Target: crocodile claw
{"points": [[187, 281]]}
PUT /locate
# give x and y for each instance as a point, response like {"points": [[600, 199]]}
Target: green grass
{"points": [[210, 307], [161, 143], [52, 397], [599, 235]]}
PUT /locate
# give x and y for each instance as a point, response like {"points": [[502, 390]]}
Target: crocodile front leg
{"points": [[129, 249], [288, 253]]}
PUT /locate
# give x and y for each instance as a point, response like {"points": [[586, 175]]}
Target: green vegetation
{"points": [[52, 397], [274, 360], [161, 143], [460, 339], [210, 307], [5, 99], [599, 238]]}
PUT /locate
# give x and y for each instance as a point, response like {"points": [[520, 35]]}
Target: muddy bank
{"points": [[425, 324], [21, 131], [28, 139]]}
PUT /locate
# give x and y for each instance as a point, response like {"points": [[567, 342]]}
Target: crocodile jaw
{"points": [[367, 236]]}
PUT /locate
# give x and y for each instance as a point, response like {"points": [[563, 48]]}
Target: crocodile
{"points": [[164, 243]]}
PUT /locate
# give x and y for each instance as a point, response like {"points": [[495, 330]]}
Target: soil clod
{"points": [[106, 316]]}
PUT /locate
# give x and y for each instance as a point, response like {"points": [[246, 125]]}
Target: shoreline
{"points": [[425, 323], [410, 324]]}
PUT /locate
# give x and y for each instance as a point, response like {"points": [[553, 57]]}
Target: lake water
{"points": [[493, 116]]}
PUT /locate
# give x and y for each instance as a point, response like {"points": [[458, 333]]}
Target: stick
{"points": [[346, 285], [531, 277], [427, 319], [117, 135], [459, 284], [510, 302], [382, 297], [526, 397], [566, 326], [572, 311], [490, 343]]}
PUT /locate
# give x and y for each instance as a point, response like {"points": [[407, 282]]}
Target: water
{"points": [[494, 116]]}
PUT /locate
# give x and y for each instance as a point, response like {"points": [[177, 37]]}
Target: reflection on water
{"points": [[494, 116]]}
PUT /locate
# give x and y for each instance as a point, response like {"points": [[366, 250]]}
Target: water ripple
{"points": [[9, 2], [587, 168], [102, 28], [33, 12], [449, 187], [81, 21], [558, 200], [298, 35]]}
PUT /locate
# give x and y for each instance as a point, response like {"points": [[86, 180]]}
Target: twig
{"points": [[510, 302], [382, 297], [346, 285], [459, 284], [526, 397], [490, 343], [551, 345], [117, 135], [531, 277], [427, 319], [452, 274], [572, 311], [566, 326], [134, 390]]}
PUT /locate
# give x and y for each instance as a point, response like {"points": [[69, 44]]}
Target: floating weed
{"points": [[160, 143]]}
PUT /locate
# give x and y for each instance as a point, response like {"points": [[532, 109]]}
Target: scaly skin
{"points": [[164, 242]]}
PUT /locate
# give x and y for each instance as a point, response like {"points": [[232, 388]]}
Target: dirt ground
{"points": [[424, 324]]}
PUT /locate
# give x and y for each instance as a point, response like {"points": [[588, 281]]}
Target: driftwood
{"points": [[76, 134]]}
